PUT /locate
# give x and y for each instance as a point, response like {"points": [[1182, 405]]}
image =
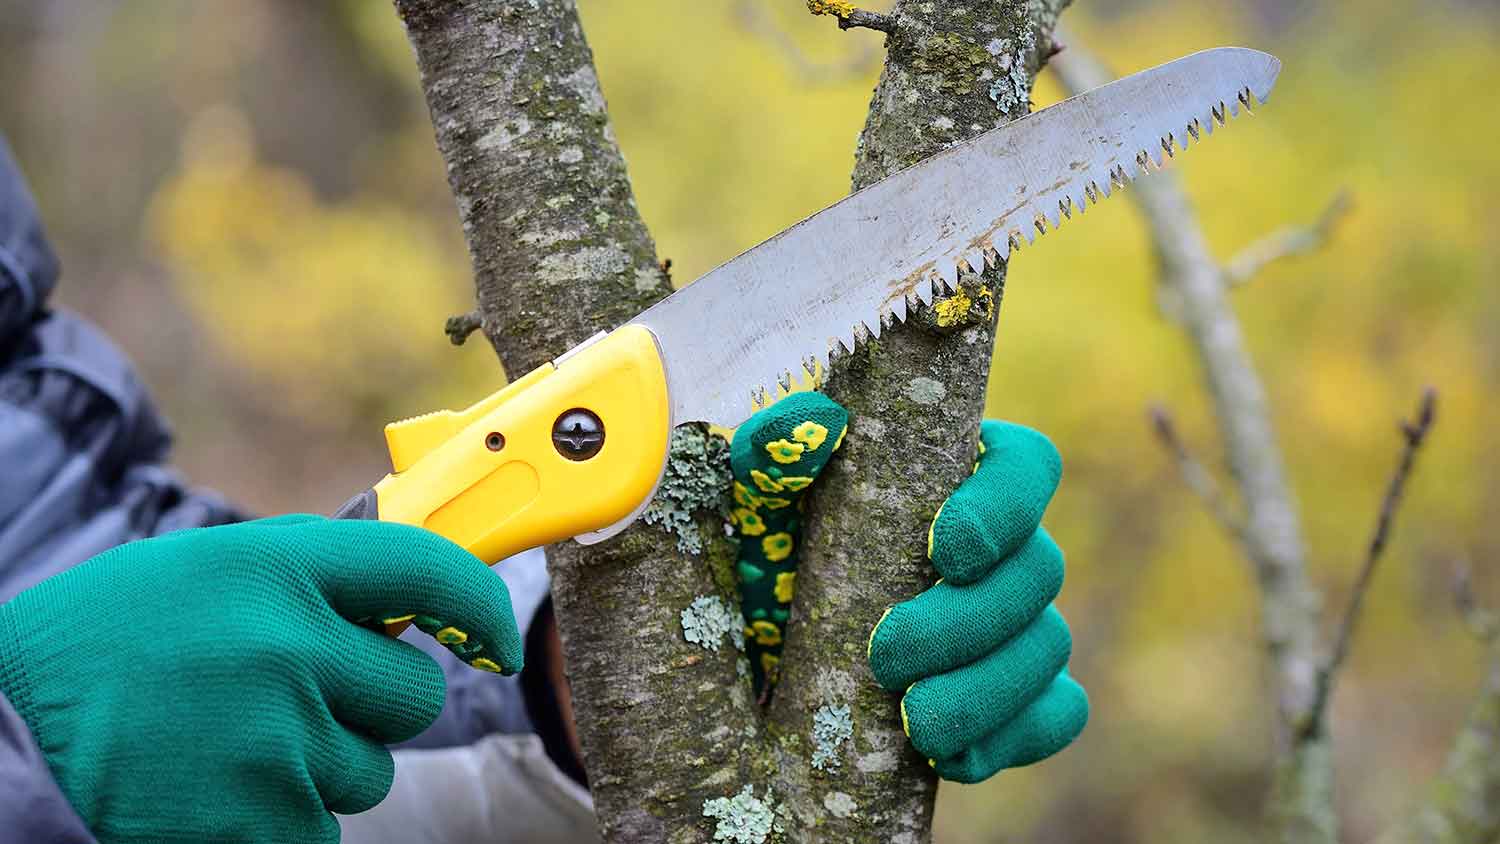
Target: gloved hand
{"points": [[223, 683], [775, 456], [981, 656]]}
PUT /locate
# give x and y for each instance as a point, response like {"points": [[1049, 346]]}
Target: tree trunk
{"points": [[952, 71], [674, 745]]}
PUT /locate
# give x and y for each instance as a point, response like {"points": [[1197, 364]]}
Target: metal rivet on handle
{"points": [[578, 434]]}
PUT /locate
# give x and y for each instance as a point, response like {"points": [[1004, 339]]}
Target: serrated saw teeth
{"points": [[876, 252]]}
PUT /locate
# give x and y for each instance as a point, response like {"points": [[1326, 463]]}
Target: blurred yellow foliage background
{"points": [[247, 196]]}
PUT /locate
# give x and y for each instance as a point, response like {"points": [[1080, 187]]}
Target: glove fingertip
{"points": [[505, 658], [796, 435], [958, 543], [884, 654]]}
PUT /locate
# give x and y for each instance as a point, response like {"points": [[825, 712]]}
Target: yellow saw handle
{"points": [[575, 446]]}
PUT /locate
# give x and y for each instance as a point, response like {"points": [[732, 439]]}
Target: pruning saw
{"points": [[576, 447]]}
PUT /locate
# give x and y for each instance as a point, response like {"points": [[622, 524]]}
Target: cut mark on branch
{"points": [[1413, 434], [1287, 241], [458, 328], [865, 19], [1195, 474]]}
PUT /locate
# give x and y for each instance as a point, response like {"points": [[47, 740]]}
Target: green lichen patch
{"points": [[743, 818], [707, 619], [697, 480], [832, 726], [956, 62]]}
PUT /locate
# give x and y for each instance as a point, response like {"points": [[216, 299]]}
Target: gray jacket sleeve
{"points": [[32, 807], [83, 468]]}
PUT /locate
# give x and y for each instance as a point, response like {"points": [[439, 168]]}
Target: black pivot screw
{"points": [[578, 434]]}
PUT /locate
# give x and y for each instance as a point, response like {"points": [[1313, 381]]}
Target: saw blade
{"points": [[729, 338]]}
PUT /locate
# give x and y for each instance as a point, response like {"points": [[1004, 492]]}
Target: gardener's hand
{"points": [[223, 683], [982, 656], [776, 455]]}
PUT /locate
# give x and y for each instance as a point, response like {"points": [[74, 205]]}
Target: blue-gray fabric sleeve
{"points": [[32, 807], [28, 267]]}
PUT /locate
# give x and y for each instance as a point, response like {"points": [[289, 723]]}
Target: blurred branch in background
{"points": [[756, 19], [1287, 241], [1302, 793], [1414, 434], [1465, 802], [1197, 476]]}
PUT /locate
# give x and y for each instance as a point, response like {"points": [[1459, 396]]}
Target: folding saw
{"points": [[576, 447]]}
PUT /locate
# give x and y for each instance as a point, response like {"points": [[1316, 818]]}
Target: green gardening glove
{"points": [[776, 456], [223, 684], [981, 657]]}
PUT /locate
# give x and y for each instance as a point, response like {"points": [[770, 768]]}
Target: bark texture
{"points": [[915, 398], [675, 748], [540, 183]]}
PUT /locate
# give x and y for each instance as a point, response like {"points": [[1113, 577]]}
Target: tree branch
{"points": [[1413, 435], [865, 533], [1301, 805], [1287, 241], [1196, 475], [560, 252], [863, 18]]}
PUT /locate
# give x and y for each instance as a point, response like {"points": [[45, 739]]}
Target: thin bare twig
{"points": [[1195, 474], [458, 328], [862, 59], [1287, 241], [1414, 434]]}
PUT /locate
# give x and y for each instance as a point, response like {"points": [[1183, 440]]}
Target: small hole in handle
{"points": [[494, 441]]}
